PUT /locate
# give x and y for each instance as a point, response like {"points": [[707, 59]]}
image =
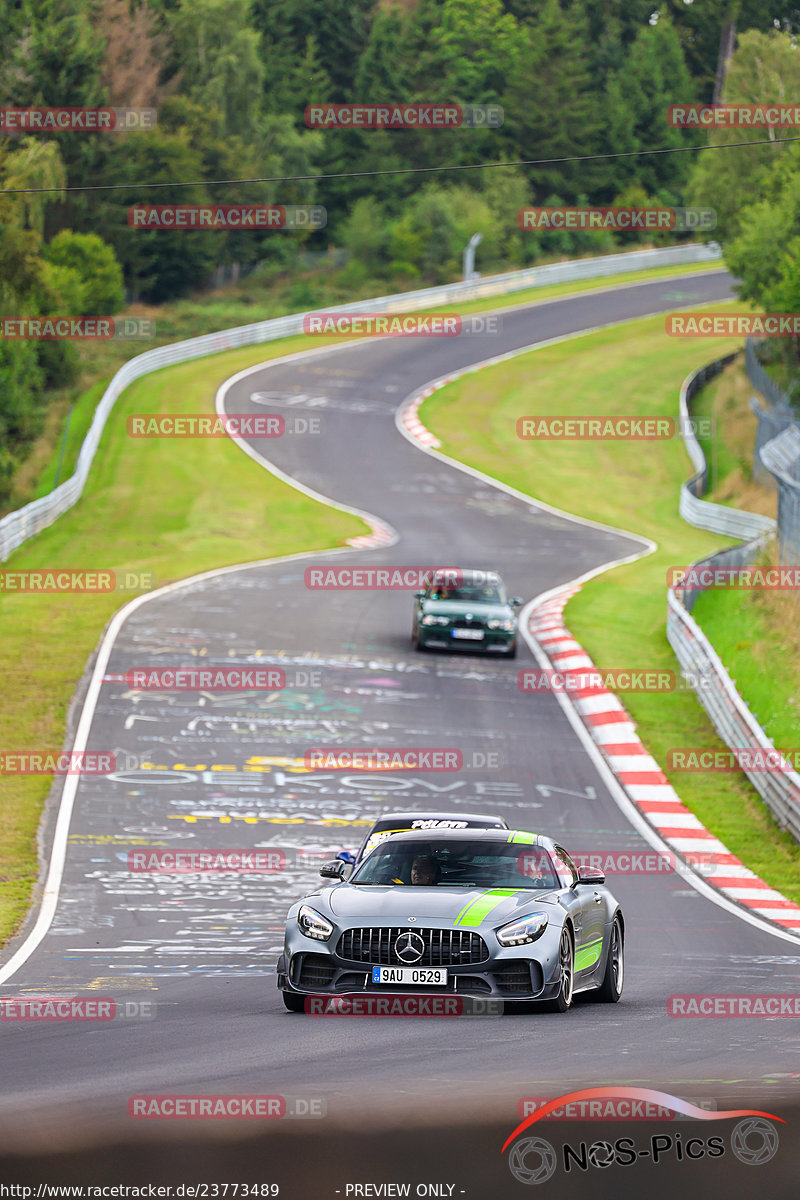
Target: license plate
{"points": [[420, 976], [469, 635]]}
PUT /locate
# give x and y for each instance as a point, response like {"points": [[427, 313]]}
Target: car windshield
{"points": [[473, 593], [463, 863]]}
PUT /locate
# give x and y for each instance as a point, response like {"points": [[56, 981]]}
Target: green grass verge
{"points": [[171, 508], [753, 647], [620, 616]]}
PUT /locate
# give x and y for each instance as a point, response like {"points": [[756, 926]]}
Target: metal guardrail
{"points": [[729, 714], [781, 457], [703, 514], [17, 527], [777, 415], [698, 659]]}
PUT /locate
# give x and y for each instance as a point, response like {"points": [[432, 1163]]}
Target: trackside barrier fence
{"points": [[17, 527], [713, 686]]}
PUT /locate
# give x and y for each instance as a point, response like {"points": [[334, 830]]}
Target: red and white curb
{"points": [[381, 535], [409, 417], [614, 732]]}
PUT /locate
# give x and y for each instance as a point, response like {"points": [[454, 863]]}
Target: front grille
{"points": [[443, 947], [463, 623], [513, 978], [315, 971]]}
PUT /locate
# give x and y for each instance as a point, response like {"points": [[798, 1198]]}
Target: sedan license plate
{"points": [[421, 976], [470, 635]]}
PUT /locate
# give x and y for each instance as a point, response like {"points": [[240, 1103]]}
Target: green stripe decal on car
{"points": [[527, 838], [588, 955], [478, 909]]}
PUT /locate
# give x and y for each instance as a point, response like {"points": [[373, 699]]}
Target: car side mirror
{"points": [[589, 875], [516, 601], [419, 595], [334, 869]]}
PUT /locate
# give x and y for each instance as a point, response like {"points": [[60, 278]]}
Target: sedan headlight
{"points": [[518, 933], [432, 619], [313, 924], [497, 623]]}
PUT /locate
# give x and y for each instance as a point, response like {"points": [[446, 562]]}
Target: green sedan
{"points": [[466, 609]]}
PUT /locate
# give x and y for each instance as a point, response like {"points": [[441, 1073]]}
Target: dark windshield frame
{"points": [[392, 860]]}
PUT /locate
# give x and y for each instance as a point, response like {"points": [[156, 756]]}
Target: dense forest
{"points": [[230, 80]]}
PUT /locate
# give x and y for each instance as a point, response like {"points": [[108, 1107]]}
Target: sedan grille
{"points": [[443, 947], [463, 623]]}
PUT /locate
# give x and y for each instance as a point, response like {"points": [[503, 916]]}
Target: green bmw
{"points": [[466, 609]]}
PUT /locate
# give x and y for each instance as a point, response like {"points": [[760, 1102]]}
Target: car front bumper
{"points": [[498, 640], [309, 968]]}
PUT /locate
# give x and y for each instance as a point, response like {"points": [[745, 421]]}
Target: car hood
{"points": [[460, 608], [349, 902]]}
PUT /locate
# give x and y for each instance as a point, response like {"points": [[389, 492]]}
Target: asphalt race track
{"points": [[201, 950]]}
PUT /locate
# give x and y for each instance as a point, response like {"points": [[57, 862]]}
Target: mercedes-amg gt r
{"points": [[480, 912]]}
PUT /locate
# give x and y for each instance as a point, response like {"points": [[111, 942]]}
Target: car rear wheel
{"points": [[293, 1002], [566, 958], [610, 989]]}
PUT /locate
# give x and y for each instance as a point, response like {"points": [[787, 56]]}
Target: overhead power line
{"points": [[522, 162]]}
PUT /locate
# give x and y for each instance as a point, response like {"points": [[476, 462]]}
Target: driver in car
{"points": [[424, 872], [534, 866]]}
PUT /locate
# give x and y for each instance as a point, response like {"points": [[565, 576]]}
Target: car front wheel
{"points": [[566, 959]]}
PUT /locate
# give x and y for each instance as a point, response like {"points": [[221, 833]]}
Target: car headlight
{"points": [[313, 924], [497, 623], [432, 619], [518, 933]]}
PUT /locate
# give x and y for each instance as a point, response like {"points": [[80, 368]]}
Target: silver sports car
{"points": [[479, 912]]}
